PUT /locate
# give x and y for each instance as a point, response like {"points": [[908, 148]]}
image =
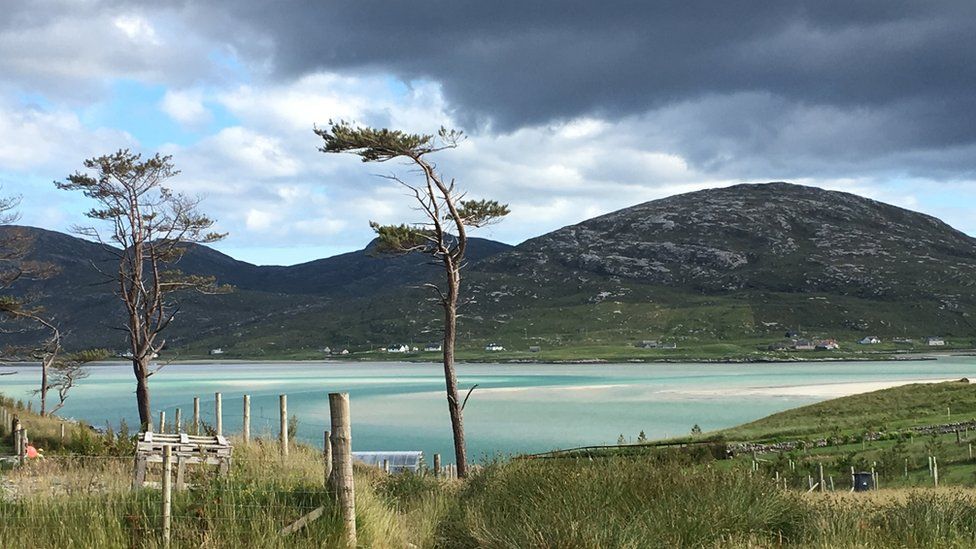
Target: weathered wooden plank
{"points": [[300, 523]]}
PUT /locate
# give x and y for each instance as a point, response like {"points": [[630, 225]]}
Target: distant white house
{"points": [[827, 345], [433, 348], [327, 350], [401, 348], [669, 345], [935, 341], [344, 352], [535, 349], [217, 351], [646, 344], [870, 340], [494, 347]]}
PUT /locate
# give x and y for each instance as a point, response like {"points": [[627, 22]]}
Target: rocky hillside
{"points": [[739, 263], [775, 237]]}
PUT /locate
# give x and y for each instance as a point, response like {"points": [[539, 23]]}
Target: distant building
{"points": [[646, 344], [790, 334], [401, 348], [217, 351], [433, 348], [803, 345], [903, 340], [869, 340], [778, 346], [327, 350], [494, 347], [534, 348], [669, 345], [935, 341], [344, 352], [827, 345]]}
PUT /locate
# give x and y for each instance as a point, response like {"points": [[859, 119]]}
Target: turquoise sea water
{"points": [[516, 408]]}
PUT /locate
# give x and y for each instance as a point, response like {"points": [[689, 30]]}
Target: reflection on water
{"points": [[516, 408]]}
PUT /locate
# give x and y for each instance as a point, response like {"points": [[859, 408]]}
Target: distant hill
{"points": [[746, 262]]}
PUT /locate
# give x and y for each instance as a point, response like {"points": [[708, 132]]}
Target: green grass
{"points": [[639, 497], [887, 409]]}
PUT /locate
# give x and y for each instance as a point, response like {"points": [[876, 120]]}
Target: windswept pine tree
{"points": [[443, 234], [152, 226]]}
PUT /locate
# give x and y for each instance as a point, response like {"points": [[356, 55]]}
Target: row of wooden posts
{"points": [[337, 454], [448, 471]]}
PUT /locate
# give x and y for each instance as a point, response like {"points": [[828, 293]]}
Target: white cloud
{"points": [[259, 221], [186, 107], [136, 28], [32, 139]]}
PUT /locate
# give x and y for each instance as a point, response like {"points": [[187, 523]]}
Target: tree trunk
{"points": [[450, 375], [44, 365], [140, 367]]}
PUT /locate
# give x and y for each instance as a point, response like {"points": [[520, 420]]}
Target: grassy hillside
{"points": [[888, 409]]}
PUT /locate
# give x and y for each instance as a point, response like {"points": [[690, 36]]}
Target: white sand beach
{"points": [[821, 390]]}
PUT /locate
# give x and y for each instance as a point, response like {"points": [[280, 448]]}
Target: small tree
{"points": [[153, 227], [695, 430], [642, 437], [15, 243], [46, 352], [68, 369], [442, 235]]}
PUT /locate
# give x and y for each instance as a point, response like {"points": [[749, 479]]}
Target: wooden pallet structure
{"points": [[186, 450]]}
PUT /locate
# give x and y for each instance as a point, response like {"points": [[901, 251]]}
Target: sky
{"points": [[571, 108]]}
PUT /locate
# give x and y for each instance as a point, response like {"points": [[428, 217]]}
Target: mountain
{"points": [[740, 263], [775, 237]]}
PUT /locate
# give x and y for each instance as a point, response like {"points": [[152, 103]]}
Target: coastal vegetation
{"points": [[639, 496]]}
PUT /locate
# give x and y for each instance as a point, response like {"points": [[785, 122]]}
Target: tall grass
{"points": [[622, 503], [80, 496]]}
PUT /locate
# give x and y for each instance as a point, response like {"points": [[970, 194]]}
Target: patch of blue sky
{"points": [[229, 66], [134, 107], [33, 100], [42, 204]]}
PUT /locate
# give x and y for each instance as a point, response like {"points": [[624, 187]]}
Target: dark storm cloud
{"points": [[519, 63]]}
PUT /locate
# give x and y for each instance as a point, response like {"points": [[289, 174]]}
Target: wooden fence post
{"points": [[437, 465], [327, 456], [62, 434], [18, 434], [162, 421], [823, 486], [196, 415], [970, 450], [167, 492], [344, 487], [935, 470], [178, 424], [246, 428], [219, 412], [283, 424], [386, 466]]}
